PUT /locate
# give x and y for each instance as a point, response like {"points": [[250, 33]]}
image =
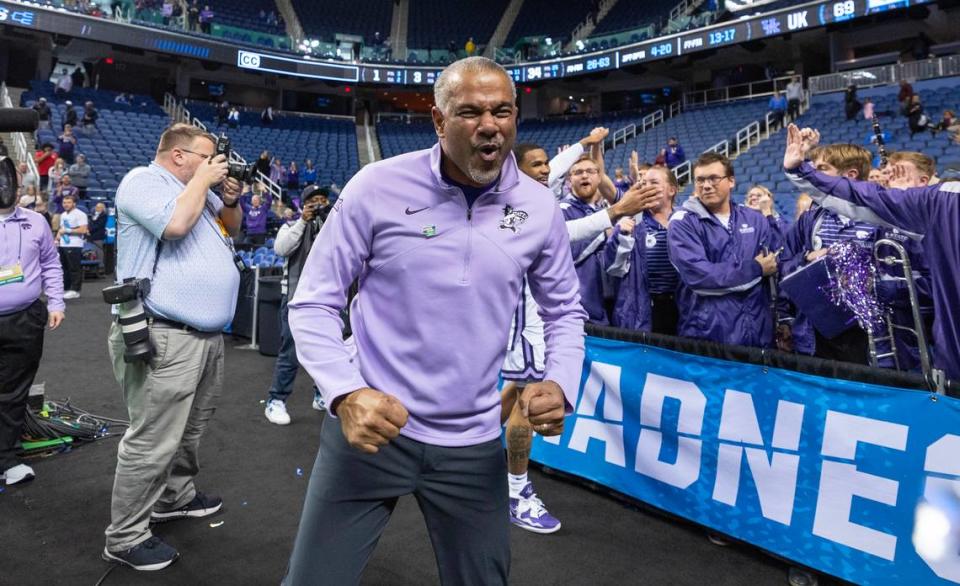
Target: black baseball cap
{"points": [[313, 191]]}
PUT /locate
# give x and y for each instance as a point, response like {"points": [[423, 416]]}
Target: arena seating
{"points": [[548, 18], [434, 23], [244, 14], [344, 16], [625, 16], [330, 143], [760, 164], [126, 136], [697, 130]]}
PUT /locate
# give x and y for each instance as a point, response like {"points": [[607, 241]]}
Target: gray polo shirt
{"points": [[195, 281]]}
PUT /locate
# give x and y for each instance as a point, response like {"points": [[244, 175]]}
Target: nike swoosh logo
{"points": [[410, 212]]}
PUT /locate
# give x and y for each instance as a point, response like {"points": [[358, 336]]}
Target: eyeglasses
{"points": [[712, 179], [580, 172], [201, 155]]}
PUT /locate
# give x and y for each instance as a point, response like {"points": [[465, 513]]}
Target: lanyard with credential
{"points": [[13, 273], [224, 236]]}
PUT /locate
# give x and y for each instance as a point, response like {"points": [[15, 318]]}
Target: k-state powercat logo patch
{"points": [[512, 219]]}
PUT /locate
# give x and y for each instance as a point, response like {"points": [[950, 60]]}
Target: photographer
{"points": [[173, 230], [293, 243]]}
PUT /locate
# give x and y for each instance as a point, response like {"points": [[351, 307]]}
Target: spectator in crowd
{"points": [[309, 173], [761, 199], [876, 176], [57, 172], [166, 11], [470, 47], [851, 105], [28, 248], [98, 229], [193, 16], [930, 211], [70, 116], [122, 98], [65, 188], [868, 110], [263, 163], [233, 117], [206, 19], [794, 95], [42, 209], [917, 119], [266, 117], [255, 216], [647, 283], [28, 197], [27, 176], [620, 181], [673, 155], [45, 158], [64, 83], [222, 110], [90, 116], [949, 122], [293, 243], [70, 238], [587, 255], [80, 174], [778, 107], [903, 97], [43, 112], [293, 176], [722, 252], [78, 77], [278, 173], [67, 145]]}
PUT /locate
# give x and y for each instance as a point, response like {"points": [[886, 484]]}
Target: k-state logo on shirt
{"points": [[746, 229], [512, 219]]}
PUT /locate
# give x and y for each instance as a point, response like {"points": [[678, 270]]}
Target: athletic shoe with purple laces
{"points": [[528, 512]]}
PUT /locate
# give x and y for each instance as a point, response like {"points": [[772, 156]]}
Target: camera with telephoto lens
{"points": [[242, 172], [128, 297]]}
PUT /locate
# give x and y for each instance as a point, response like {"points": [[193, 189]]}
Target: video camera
{"points": [[128, 296], [13, 120], [242, 172]]}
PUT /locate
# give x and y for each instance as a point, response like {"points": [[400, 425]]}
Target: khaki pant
{"points": [[169, 401]]}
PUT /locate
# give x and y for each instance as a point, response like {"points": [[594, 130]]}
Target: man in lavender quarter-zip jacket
{"points": [[441, 241]]}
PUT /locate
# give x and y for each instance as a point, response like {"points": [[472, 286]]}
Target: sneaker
{"points": [[151, 555], [19, 473], [201, 506], [71, 294], [276, 412], [318, 403], [528, 512]]}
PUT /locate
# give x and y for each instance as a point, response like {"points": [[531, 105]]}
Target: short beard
{"points": [[483, 177]]}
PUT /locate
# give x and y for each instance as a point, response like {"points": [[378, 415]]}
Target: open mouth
{"points": [[489, 152]]}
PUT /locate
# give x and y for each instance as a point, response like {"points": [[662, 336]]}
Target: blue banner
{"points": [[822, 471]]}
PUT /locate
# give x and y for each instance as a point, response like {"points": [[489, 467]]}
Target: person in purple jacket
{"points": [[440, 240], [722, 251], [255, 216], [585, 178], [932, 211], [29, 266], [673, 155]]}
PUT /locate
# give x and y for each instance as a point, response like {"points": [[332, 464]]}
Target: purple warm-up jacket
{"points": [[722, 297], [932, 212], [439, 283]]}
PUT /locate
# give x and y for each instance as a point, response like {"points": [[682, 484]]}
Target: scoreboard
{"points": [[775, 23]]}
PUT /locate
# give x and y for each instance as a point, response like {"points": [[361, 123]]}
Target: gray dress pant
{"points": [[169, 400], [462, 493]]}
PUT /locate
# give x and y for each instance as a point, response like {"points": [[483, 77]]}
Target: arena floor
{"points": [[52, 529]]}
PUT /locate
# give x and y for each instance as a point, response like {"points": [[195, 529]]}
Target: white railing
{"points": [[732, 93], [586, 27], [682, 172], [629, 131], [22, 152], [886, 74], [683, 8], [748, 136], [179, 113], [722, 147], [675, 109]]}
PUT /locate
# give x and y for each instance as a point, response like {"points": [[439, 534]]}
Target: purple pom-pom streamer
{"points": [[852, 274]]}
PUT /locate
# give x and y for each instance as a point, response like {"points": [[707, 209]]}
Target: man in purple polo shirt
{"points": [[441, 240], [29, 266]]}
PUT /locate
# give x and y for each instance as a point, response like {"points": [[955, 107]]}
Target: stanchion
{"points": [[253, 345]]}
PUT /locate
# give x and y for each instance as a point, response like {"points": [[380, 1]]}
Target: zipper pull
{"points": [[469, 213]]}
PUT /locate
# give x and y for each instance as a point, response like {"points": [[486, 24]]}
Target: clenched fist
{"points": [[370, 419], [542, 404]]}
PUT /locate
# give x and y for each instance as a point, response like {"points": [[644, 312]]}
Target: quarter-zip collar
{"points": [[509, 174]]}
